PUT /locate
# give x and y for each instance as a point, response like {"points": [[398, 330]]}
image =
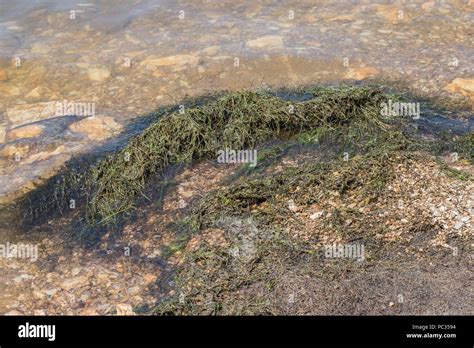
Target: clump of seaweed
{"points": [[238, 120]]}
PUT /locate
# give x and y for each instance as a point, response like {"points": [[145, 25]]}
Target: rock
{"points": [[14, 150], [269, 42], [149, 278], [316, 215], [211, 51], [292, 206], [309, 18], [14, 312], [43, 155], [96, 127], [463, 86], [135, 290], [391, 13], [74, 282], [29, 131], [2, 134], [426, 6], [177, 61], [89, 311], [96, 74], [38, 294], [3, 75], [186, 193], [40, 48], [342, 18], [124, 309], [132, 39], [51, 292], [38, 92], [29, 113], [8, 90], [361, 73], [39, 312]]}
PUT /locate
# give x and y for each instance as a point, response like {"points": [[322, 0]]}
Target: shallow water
{"points": [[130, 57]]}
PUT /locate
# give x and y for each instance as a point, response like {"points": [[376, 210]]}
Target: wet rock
{"points": [[463, 86], [51, 292], [28, 113], [96, 127], [43, 155], [391, 13], [343, 18], [124, 309], [361, 73], [14, 312], [40, 48], [74, 282], [268, 42], [12, 150], [38, 92], [89, 311], [134, 290], [149, 278], [29, 131], [97, 74], [8, 90], [132, 39], [426, 6], [3, 75], [211, 51], [178, 61]]}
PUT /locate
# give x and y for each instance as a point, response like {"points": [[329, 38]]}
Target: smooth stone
{"points": [[3, 75], [463, 86], [28, 113], [14, 149], [43, 155], [179, 60], [427, 5], [29, 131], [96, 127], [269, 41], [361, 73], [96, 74], [211, 51]]}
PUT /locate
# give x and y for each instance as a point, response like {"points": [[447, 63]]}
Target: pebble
{"points": [[97, 74], [268, 42]]}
